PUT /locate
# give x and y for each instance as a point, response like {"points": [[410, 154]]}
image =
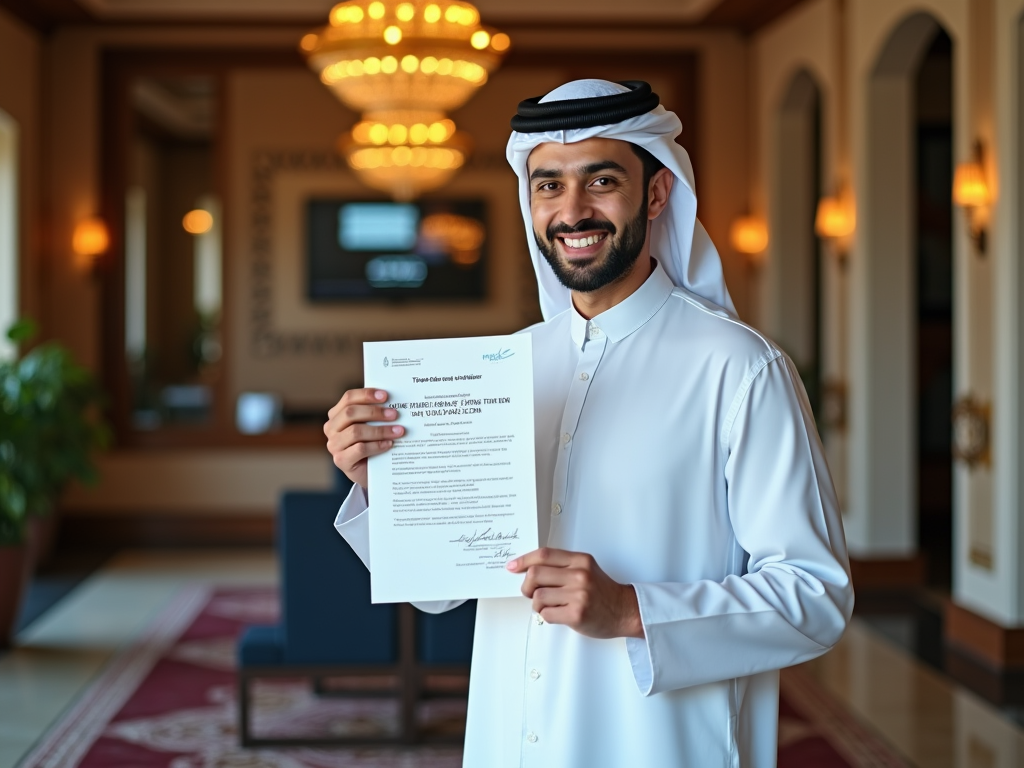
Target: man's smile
{"points": [[582, 245]]}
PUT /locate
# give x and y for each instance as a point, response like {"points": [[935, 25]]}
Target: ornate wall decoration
{"points": [[971, 445], [266, 341], [971, 419]]}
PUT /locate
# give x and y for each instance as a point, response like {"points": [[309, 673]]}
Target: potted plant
{"points": [[50, 425]]}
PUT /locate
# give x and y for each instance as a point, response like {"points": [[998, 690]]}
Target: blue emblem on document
{"points": [[386, 363], [501, 354]]}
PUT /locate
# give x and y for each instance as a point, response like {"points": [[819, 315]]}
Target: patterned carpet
{"points": [[168, 701]]}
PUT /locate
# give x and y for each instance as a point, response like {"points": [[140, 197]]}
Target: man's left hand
{"points": [[570, 588]]}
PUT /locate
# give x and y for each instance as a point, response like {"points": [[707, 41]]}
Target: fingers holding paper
{"points": [[351, 439], [570, 588]]}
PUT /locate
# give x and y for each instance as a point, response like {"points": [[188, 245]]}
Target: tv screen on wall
{"points": [[359, 249]]}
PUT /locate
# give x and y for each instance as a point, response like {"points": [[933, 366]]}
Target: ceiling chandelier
{"points": [[404, 66]]}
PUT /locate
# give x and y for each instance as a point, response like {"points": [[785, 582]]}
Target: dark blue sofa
{"points": [[329, 628]]}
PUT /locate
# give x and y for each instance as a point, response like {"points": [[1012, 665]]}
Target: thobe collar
{"points": [[628, 315]]}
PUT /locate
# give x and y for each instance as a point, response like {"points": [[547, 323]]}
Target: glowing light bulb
{"points": [[308, 42], [397, 134], [90, 238], [197, 222], [432, 14], [389, 65], [392, 35], [500, 42], [749, 235], [405, 12], [410, 63], [378, 133], [480, 39], [418, 134], [376, 10]]}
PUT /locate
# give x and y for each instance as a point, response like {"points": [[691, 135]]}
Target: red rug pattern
{"points": [[168, 701]]}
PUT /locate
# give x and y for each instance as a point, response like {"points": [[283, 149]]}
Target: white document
{"points": [[455, 498]]}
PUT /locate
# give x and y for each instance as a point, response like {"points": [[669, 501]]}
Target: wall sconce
{"points": [[971, 192], [836, 221], [90, 240], [197, 222], [749, 235]]}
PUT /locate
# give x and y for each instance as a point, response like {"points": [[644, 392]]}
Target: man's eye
{"points": [[547, 186], [604, 181]]}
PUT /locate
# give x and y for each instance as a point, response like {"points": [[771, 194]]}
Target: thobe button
{"points": [[594, 331], [566, 438], [534, 674], [584, 376], [537, 618], [531, 737], [556, 509]]}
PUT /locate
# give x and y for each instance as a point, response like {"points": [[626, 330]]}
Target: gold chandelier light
{"points": [[404, 65]]}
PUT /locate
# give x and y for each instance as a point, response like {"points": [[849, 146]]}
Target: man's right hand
{"points": [[351, 440]]}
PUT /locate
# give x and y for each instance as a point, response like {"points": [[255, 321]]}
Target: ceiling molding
{"points": [[748, 16], [745, 16]]}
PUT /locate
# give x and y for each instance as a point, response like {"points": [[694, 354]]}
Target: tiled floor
{"points": [[932, 722]]}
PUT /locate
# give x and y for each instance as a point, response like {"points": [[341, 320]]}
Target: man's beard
{"points": [[621, 255]]}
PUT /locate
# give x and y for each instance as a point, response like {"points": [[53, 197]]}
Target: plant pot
{"points": [[13, 572]]}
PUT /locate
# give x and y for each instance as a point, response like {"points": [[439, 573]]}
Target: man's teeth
{"points": [[582, 242]]}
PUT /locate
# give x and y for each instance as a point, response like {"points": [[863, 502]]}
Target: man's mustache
{"points": [[584, 225]]}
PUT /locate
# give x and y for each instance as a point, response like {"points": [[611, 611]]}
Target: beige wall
{"points": [[20, 70], [289, 110]]}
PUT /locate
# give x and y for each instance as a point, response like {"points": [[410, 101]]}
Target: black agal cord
{"points": [[534, 117]]}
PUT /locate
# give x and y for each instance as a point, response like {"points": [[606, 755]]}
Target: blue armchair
{"points": [[329, 627]]}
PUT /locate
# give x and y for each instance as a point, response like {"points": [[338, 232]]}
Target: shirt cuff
{"points": [[353, 523], [640, 652]]}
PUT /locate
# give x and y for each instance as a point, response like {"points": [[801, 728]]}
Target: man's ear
{"points": [[658, 190]]}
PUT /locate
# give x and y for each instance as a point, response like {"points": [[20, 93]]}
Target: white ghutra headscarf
{"points": [[678, 239]]}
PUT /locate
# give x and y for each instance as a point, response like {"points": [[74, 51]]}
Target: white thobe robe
{"points": [[676, 446]]}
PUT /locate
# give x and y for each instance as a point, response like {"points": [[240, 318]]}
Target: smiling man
{"points": [[693, 540]]}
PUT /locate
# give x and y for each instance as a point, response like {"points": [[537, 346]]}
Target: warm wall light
{"points": [[971, 192], [749, 235], [90, 239], [835, 218], [836, 221], [197, 222]]}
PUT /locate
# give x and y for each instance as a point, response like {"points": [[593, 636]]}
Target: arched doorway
{"points": [[901, 496], [934, 306], [795, 254]]}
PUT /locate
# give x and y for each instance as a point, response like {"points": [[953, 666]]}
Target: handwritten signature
{"points": [[487, 535]]}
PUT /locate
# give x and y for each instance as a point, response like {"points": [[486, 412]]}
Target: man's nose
{"points": [[576, 206]]}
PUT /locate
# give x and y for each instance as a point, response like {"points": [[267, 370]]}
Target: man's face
{"points": [[589, 208]]}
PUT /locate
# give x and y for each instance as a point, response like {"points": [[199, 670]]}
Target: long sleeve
{"points": [[353, 523], [795, 598]]}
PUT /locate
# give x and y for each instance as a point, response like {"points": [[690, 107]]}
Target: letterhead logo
{"points": [[386, 363], [501, 354]]}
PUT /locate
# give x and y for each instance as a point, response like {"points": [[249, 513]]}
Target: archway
{"points": [[795, 256], [900, 279]]}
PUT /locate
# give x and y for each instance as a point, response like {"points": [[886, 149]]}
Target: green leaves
{"points": [[49, 429], [23, 330]]}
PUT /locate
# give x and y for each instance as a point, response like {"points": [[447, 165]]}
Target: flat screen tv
{"points": [[430, 249]]}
